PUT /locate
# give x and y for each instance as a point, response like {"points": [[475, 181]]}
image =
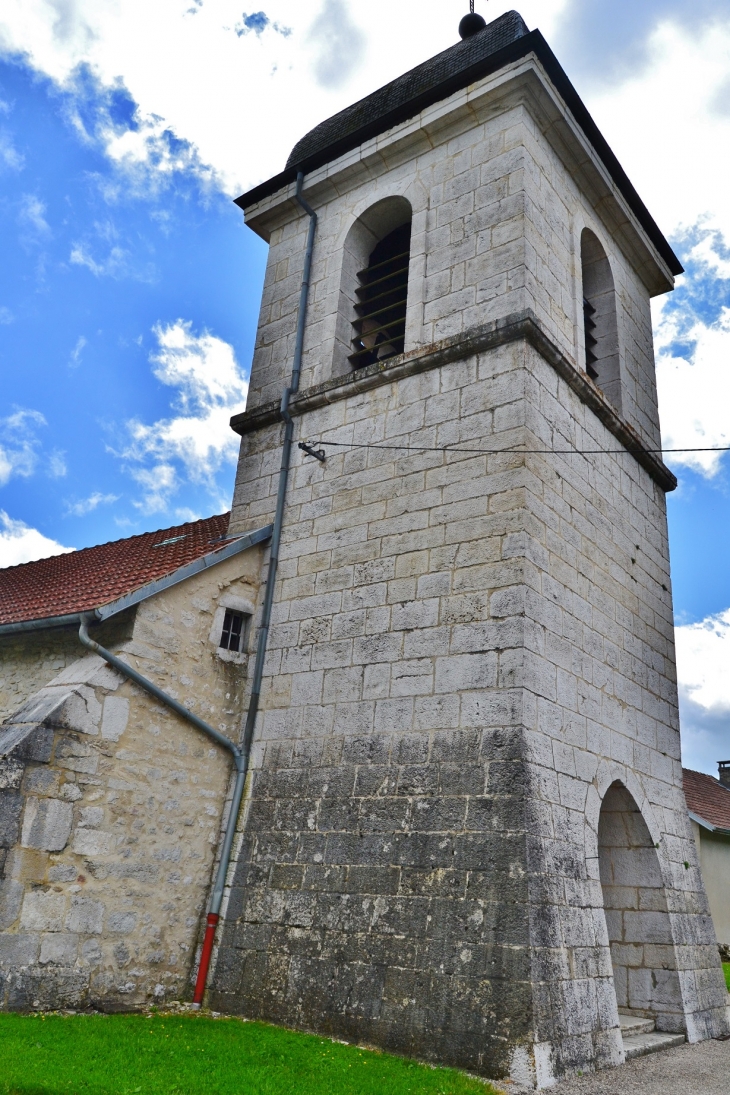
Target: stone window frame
{"points": [[235, 604], [363, 234], [613, 387]]}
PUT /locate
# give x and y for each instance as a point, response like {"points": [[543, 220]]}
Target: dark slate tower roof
{"points": [[503, 41], [403, 98]]}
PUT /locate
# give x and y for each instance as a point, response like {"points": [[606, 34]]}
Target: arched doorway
{"points": [[637, 917]]}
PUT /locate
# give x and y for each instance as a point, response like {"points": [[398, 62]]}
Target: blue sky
{"points": [[129, 287]]}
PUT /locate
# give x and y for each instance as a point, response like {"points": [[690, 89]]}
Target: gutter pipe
{"points": [[263, 636], [240, 760], [240, 754]]}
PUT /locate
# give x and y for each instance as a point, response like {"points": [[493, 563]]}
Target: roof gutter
{"points": [[137, 596], [703, 824]]}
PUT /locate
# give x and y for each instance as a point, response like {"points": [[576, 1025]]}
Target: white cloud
{"points": [[32, 216], [88, 505], [694, 388], [118, 263], [665, 128], [339, 43], [57, 465], [19, 444], [707, 252], [9, 155], [21, 544], [196, 442], [75, 358], [241, 100], [703, 655], [6, 316]]}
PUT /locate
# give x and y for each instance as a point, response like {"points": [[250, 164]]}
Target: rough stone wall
{"points": [[111, 807], [381, 892], [643, 956], [29, 662], [600, 663]]}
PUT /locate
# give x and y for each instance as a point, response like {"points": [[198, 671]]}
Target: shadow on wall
{"points": [[642, 951], [599, 316]]}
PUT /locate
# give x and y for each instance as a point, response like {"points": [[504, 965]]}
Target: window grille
{"points": [[380, 327], [234, 628]]}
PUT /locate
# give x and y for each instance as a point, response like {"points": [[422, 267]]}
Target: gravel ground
{"points": [[703, 1069]]}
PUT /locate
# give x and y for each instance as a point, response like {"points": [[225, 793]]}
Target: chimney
{"points": [[724, 767]]}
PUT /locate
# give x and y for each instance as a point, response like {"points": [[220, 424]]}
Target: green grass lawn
{"points": [[185, 1055], [726, 967]]}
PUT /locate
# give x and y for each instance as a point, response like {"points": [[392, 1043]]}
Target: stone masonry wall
{"points": [[463, 658], [467, 651], [111, 807], [29, 662], [497, 219], [381, 892], [599, 658]]}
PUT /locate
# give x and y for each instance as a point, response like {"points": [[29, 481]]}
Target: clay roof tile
{"points": [[707, 798], [83, 580]]}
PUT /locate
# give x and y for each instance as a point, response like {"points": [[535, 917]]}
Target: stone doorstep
{"points": [[640, 1045], [635, 1024], [640, 1036]]}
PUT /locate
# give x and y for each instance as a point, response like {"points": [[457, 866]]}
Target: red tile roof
{"points": [[87, 579], [707, 798]]}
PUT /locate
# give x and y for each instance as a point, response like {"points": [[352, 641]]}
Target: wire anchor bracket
{"points": [[318, 454]]}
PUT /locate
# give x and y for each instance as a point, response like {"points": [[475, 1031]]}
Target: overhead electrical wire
{"points": [[501, 452]]}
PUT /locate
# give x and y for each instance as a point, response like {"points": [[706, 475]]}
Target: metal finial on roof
{"points": [[471, 24]]}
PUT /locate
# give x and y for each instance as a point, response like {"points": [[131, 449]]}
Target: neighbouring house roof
{"points": [[707, 799], [117, 574], [503, 41]]}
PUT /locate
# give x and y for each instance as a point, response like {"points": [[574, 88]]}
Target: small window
{"points": [[380, 326], [234, 630]]}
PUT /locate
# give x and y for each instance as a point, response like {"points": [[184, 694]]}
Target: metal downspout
{"points": [[239, 759], [263, 636]]}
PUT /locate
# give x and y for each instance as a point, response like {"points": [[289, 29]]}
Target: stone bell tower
{"points": [[466, 838]]}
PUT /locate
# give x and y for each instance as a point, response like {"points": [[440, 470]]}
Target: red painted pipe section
{"points": [[205, 955]]}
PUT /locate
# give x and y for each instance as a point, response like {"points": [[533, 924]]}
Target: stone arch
{"points": [[638, 922], [380, 223], [600, 323]]}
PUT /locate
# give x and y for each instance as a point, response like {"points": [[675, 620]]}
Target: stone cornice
{"points": [[519, 325]]}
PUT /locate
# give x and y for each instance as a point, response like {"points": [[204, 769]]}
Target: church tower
{"points": [[465, 837]]}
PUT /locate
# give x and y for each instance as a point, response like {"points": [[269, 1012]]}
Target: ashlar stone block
{"points": [[47, 824]]}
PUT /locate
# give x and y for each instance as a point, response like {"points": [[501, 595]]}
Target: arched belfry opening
{"points": [[637, 916], [374, 285], [599, 318]]}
